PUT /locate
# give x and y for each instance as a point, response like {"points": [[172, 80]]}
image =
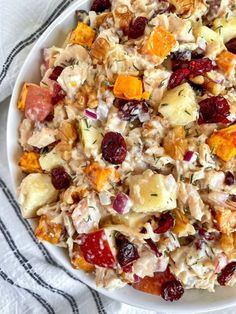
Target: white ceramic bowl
{"points": [[192, 301]]}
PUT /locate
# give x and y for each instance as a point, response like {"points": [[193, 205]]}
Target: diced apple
{"points": [[51, 160], [207, 33], [179, 105], [98, 248], [132, 220], [90, 136], [152, 192], [35, 191], [226, 28]]}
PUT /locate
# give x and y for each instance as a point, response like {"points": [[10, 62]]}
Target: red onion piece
{"points": [[136, 278], [188, 156], [121, 203], [90, 114]]}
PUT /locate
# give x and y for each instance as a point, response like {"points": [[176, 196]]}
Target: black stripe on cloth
{"points": [[42, 301], [44, 251], [30, 271], [30, 39]]}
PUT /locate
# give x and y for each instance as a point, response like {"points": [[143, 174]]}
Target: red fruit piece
{"points": [[206, 235], [165, 223], [172, 290], [178, 77], [57, 93], [153, 247], [137, 28], [114, 148], [60, 178], [200, 66], [214, 110], [229, 178], [100, 5], [126, 251], [131, 110], [180, 60], [231, 45], [55, 73], [226, 273], [38, 103], [153, 284], [96, 249]]}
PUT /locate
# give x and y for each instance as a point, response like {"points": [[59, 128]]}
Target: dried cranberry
{"points": [[198, 244], [127, 268], [214, 110], [165, 223], [126, 251], [197, 53], [100, 5], [60, 178], [180, 59], [137, 28], [57, 93], [153, 247], [229, 178], [172, 290], [178, 77], [114, 148], [231, 45], [55, 73], [206, 235], [200, 66], [226, 273], [131, 110]]}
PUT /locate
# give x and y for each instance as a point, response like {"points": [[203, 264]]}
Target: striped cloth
{"points": [[31, 280]]}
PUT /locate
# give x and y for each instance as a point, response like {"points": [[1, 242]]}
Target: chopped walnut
{"points": [[123, 17], [99, 49], [86, 97], [175, 143], [103, 19]]}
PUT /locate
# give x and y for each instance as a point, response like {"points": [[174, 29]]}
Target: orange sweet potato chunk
{"points": [[78, 261], [128, 87], [226, 220], [223, 143], [83, 35], [49, 231], [159, 44], [99, 177], [226, 62], [153, 284], [29, 162]]}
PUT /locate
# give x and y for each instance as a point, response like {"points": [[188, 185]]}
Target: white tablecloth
{"points": [[31, 281]]}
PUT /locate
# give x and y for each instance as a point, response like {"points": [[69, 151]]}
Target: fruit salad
{"points": [[129, 145]]}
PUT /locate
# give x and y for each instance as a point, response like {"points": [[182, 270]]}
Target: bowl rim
{"points": [[91, 283]]}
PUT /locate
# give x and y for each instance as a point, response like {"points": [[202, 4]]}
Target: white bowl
{"points": [[192, 301]]}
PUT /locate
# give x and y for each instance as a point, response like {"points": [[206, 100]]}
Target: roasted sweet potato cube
{"points": [[223, 143], [159, 44], [226, 62], [83, 35], [99, 177], [29, 162], [128, 87], [226, 220], [153, 284], [49, 231]]}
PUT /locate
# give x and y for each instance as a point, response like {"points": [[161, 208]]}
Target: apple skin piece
{"points": [[97, 249]]}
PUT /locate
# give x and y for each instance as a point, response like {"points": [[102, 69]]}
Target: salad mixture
{"points": [[129, 145]]}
